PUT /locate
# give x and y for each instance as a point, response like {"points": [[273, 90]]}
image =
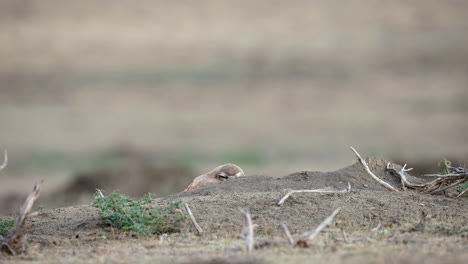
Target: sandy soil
{"points": [[275, 88], [73, 234]]}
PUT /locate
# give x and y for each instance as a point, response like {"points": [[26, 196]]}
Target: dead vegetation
{"points": [[5, 161], [452, 176], [14, 242], [282, 200], [336, 234]]}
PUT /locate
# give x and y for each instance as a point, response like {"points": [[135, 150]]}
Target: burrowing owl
{"points": [[215, 176]]}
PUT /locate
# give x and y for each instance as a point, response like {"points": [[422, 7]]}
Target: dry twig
{"points": [[375, 229], [13, 242], [282, 200], [100, 193], [401, 173], [288, 234], [454, 177], [310, 235], [249, 240], [460, 194], [444, 175], [364, 163], [447, 187], [457, 175], [199, 229], [5, 161]]}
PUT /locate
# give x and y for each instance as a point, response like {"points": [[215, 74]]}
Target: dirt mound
{"points": [[216, 207], [368, 203], [353, 174]]}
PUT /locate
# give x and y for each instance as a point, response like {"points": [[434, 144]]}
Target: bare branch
{"points": [[12, 243], [444, 175], [364, 163], [310, 235], [447, 187], [375, 229], [5, 161], [462, 170], [345, 237], [199, 229], [460, 194], [250, 236], [288, 234], [401, 173], [282, 200]]}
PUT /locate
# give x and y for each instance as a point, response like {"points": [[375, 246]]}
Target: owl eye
{"points": [[223, 175]]}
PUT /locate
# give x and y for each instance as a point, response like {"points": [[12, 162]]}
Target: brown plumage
{"points": [[215, 176]]}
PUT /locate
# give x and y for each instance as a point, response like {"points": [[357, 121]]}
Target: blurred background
{"points": [[143, 96]]}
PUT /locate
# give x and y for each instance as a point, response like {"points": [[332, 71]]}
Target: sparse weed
{"points": [[445, 163], [124, 213], [40, 208], [5, 226]]}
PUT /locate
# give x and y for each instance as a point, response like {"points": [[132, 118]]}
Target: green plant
{"points": [[124, 213], [40, 208], [461, 189], [446, 163], [5, 226]]}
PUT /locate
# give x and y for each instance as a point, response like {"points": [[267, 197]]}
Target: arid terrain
{"points": [[143, 97], [74, 235]]}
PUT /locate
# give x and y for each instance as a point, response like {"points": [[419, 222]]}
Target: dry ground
{"points": [[273, 87], [74, 235]]}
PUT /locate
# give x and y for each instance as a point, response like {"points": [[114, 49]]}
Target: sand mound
{"points": [[216, 207], [353, 174]]}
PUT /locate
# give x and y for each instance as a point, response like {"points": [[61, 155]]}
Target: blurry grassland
{"points": [[56, 160], [274, 88]]}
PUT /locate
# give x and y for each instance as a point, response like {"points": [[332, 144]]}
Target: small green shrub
{"points": [[5, 227], [445, 163], [124, 213]]}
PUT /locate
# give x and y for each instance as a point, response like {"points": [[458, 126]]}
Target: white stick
{"points": [[401, 173], [364, 163], [199, 229], [100, 193], [288, 234], [282, 200], [250, 236], [445, 175], [460, 194], [447, 187], [310, 235], [5, 161], [375, 229]]}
